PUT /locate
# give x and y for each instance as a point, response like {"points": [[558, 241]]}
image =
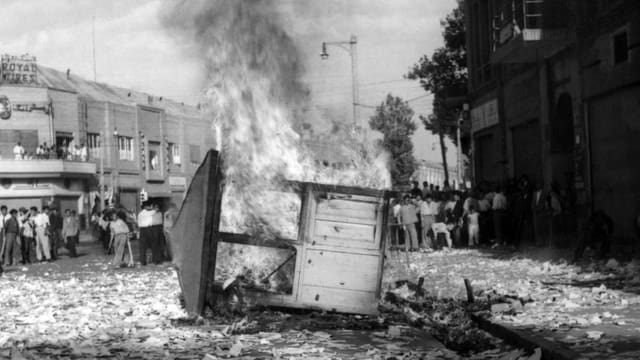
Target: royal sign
{"points": [[19, 69]]}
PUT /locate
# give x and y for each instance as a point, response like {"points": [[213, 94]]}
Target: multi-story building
{"points": [[135, 141], [554, 86], [433, 173]]}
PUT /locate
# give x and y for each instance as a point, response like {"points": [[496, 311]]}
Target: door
{"points": [[342, 253], [527, 150]]}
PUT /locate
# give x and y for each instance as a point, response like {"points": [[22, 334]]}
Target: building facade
{"points": [[134, 142], [554, 87]]}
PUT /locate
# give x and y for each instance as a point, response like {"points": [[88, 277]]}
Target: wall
{"points": [[65, 112], [31, 121]]}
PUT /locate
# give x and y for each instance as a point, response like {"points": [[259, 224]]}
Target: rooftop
{"points": [[96, 91]]}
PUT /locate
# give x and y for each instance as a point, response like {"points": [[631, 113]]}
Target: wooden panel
{"points": [[349, 301], [343, 231], [346, 208], [341, 270], [193, 242]]}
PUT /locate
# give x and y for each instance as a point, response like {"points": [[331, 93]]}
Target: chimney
{"points": [[68, 74]]}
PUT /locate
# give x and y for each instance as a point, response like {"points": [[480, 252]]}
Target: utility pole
{"points": [[95, 76], [102, 153], [352, 50]]}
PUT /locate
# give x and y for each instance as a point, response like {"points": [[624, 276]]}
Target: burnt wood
{"points": [[193, 241], [244, 239]]}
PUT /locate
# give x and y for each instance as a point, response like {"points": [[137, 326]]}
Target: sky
{"points": [[132, 49]]}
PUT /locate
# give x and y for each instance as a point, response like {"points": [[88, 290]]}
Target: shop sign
{"points": [[506, 33], [177, 181], [484, 116], [19, 69]]}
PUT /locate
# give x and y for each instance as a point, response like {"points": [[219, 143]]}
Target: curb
{"points": [[550, 350]]}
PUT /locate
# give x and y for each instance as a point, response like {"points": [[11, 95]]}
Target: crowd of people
{"points": [[29, 235], [70, 151], [428, 218], [116, 227]]}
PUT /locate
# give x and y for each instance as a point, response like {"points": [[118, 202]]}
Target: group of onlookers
{"points": [[64, 151], [28, 233], [429, 218], [116, 227]]}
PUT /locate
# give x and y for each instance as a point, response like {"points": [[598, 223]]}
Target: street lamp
{"points": [[116, 166], [350, 47]]}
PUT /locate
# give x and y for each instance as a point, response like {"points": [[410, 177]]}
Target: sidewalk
{"points": [[592, 308]]}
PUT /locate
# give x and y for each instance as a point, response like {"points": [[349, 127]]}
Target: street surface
{"points": [[85, 308], [592, 308]]}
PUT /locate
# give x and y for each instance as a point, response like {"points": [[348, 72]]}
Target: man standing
{"points": [[428, 218], [157, 245], [11, 230], [499, 208], [145, 220], [409, 219], [71, 231], [18, 151], [4, 216], [28, 234], [416, 193], [42, 234], [169, 218], [55, 221]]}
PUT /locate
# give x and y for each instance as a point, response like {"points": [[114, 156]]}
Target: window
{"points": [[620, 47], [125, 148], [154, 156], [194, 154], [93, 144], [174, 150]]}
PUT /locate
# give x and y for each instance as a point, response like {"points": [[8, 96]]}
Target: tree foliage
{"points": [[444, 73], [394, 119]]}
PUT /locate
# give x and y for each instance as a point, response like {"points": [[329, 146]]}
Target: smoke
{"points": [[256, 101]]}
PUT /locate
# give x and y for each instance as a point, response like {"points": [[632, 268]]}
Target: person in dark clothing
{"points": [[415, 191], [71, 231], [522, 210], [56, 232], [11, 231], [597, 230]]}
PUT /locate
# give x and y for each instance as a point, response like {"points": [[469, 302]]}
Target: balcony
{"points": [[530, 30], [45, 168]]}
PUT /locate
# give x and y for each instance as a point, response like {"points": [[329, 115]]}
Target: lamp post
{"points": [[116, 166], [350, 47], [102, 154]]}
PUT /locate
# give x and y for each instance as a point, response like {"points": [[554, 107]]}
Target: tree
{"points": [[394, 119], [444, 74]]}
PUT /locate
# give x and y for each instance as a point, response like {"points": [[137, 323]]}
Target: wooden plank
{"points": [[383, 236], [347, 301], [341, 270], [347, 190], [343, 231], [347, 208], [245, 239], [193, 243]]}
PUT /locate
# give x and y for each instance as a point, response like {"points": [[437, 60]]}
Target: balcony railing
{"points": [[529, 21], [45, 168]]}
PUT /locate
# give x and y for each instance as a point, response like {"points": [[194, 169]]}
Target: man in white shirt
{"points": [[42, 235], [428, 210], [18, 151], [145, 221], [83, 152], [396, 230], [499, 207]]}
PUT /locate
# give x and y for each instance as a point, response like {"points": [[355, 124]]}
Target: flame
{"points": [[254, 97]]}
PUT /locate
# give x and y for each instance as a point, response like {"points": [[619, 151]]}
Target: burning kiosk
{"points": [[336, 257]]}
